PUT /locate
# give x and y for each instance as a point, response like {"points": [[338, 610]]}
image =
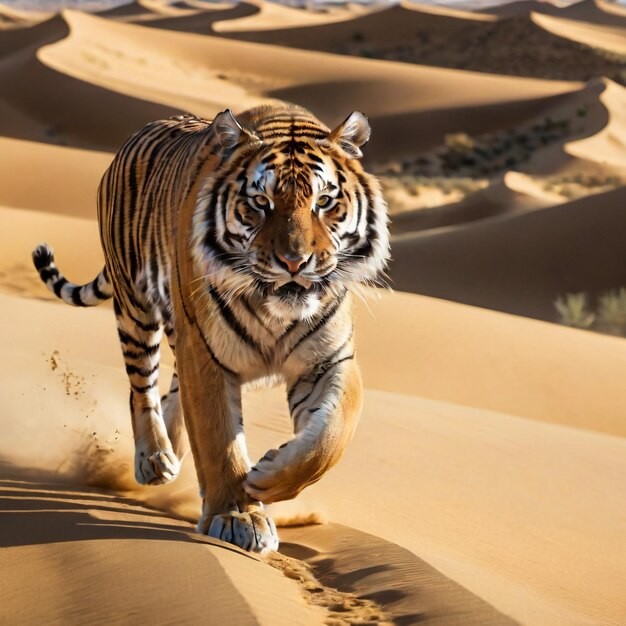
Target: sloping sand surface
{"points": [[532, 496], [48, 106], [597, 36], [269, 15], [220, 73], [392, 24], [201, 21], [502, 264], [596, 12], [428, 497], [129, 10], [513, 193], [11, 18], [74, 173], [522, 7], [608, 145], [75, 539], [469, 41], [589, 11]]}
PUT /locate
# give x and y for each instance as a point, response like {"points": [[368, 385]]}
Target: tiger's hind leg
{"points": [[171, 405], [155, 460]]}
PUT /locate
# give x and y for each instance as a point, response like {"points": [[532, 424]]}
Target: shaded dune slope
{"points": [[419, 101], [591, 146], [608, 37], [201, 21], [43, 104], [519, 263], [589, 11], [417, 35]]}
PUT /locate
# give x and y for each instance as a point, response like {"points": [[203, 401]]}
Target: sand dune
{"points": [[512, 193], [201, 21], [522, 7], [393, 24], [11, 17], [596, 12], [269, 15], [501, 264], [447, 38], [138, 8], [45, 105], [611, 38], [545, 160], [77, 538], [607, 146], [446, 502], [124, 77], [75, 173]]}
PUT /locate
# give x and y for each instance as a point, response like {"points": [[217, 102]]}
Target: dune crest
{"points": [[607, 146]]}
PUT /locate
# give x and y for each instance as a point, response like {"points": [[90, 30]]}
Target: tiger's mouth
{"points": [[292, 290]]}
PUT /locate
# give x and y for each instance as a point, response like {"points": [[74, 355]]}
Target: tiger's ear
{"points": [[352, 134], [229, 131]]}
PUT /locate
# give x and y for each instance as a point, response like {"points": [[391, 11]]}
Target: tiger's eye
{"points": [[262, 201], [323, 201]]}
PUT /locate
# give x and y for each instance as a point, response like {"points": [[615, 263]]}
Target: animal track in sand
{"points": [[343, 609]]}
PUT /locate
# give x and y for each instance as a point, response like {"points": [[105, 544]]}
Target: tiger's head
{"points": [[290, 213]]}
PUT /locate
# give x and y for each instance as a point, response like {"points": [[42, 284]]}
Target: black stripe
{"points": [[143, 389], [322, 371], [153, 327], [193, 321], [254, 314], [132, 210], [325, 317], [231, 319], [58, 285], [76, 299], [97, 292], [141, 371], [320, 366], [306, 133], [142, 354], [125, 338]]}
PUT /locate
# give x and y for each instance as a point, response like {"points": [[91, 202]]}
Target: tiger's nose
{"points": [[292, 261]]}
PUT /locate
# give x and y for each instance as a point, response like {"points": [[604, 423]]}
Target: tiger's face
{"points": [[297, 219]]}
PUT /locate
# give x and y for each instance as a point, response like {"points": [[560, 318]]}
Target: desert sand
{"points": [[485, 484]]}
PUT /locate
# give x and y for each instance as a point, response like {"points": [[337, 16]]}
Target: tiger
{"points": [[242, 240]]}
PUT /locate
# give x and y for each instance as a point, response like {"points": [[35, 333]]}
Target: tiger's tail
{"points": [[91, 294]]}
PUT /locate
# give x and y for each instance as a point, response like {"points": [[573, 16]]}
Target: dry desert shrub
{"points": [[612, 312], [573, 310], [609, 316]]}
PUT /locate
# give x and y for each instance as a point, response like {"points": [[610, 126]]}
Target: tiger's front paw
{"points": [[281, 475], [155, 467], [251, 530]]}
